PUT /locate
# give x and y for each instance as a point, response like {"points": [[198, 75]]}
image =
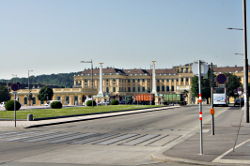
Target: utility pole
{"points": [[200, 107], [212, 98], [29, 93], [245, 60]]}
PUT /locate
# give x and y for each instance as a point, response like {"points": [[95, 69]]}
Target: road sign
{"points": [[221, 78], [14, 87], [204, 68]]}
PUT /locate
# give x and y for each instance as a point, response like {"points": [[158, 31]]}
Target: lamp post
{"points": [[15, 94], [92, 81], [244, 29], [29, 95]]}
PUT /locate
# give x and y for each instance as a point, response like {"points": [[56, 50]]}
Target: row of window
{"points": [[33, 100], [137, 80], [141, 89]]}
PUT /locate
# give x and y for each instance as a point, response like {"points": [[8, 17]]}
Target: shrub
{"points": [[114, 102], [9, 105], [89, 103], [56, 105]]}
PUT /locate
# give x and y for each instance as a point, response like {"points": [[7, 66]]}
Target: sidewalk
{"points": [[218, 148], [30, 124]]}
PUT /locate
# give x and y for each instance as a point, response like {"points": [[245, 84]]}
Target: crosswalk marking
{"points": [[164, 140], [9, 133], [49, 137], [71, 138], [16, 134], [92, 138], [141, 139], [95, 138], [38, 136], [117, 139], [25, 135]]}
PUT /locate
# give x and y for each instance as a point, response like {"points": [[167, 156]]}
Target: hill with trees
{"points": [[61, 80]]}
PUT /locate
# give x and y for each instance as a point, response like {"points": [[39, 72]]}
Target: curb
{"points": [[163, 158], [101, 117]]}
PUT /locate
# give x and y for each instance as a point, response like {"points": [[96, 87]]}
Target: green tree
{"points": [[233, 83], [45, 94], [205, 88], [4, 94]]}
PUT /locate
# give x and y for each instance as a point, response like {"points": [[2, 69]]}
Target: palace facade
{"points": [[119, 83]]}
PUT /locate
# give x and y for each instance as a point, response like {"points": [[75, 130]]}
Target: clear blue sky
{"points": [[53, 36]]}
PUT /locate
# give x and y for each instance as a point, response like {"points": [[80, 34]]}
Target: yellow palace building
{"points": [[118, 83]]}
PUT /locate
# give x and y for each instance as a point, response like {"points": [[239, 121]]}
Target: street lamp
{"points": [[29, 96], [244, 29], [92, 81]]}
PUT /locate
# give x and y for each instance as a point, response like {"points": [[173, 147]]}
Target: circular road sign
{"points": [[14, 87], [221, 78]]}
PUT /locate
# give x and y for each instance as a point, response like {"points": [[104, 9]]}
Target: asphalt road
{"points": [[124, 140]]}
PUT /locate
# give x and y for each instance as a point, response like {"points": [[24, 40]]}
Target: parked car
{"points": [[239, 102]]}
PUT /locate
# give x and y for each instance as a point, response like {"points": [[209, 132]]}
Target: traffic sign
{"points": [[204, 68], [14, 87], [221, 78]]}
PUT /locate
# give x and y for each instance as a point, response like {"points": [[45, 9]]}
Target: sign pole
{"points": [[200, 107], [212, 99], [15, 108]]}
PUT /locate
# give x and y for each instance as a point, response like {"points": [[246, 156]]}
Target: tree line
{"points": [[61, 80]]}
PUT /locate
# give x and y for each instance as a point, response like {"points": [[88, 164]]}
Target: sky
{"points": [[53, 36]]}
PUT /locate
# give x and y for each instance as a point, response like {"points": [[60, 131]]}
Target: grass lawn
{"points": [[42, 113]]}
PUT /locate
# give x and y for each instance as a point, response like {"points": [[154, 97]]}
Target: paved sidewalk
{"points": [[219, 148], [29, 124]]}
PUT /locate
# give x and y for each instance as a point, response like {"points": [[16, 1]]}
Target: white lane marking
{"points": [[220, 160]]}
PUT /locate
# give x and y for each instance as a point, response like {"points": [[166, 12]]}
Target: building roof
{"points": [[228, 69], [104, 70], [136, 71]]}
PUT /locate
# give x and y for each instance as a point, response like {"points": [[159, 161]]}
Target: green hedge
{"points": [[89, 103], [9, 105], [114, 102], [56, 105]]}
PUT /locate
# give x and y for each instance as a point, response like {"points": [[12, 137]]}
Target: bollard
{"points": [[30, 117]]}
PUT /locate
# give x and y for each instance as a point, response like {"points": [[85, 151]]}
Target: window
{"points": [[76, 100], [139, 89], [167, 88], [163, 88], [158, 88], [34, 100], [172, 88], [143, 89], [25, 100], [107, 89], [129, 89], [67, 100], [58, 98], [133, 89], [114, 89]]}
